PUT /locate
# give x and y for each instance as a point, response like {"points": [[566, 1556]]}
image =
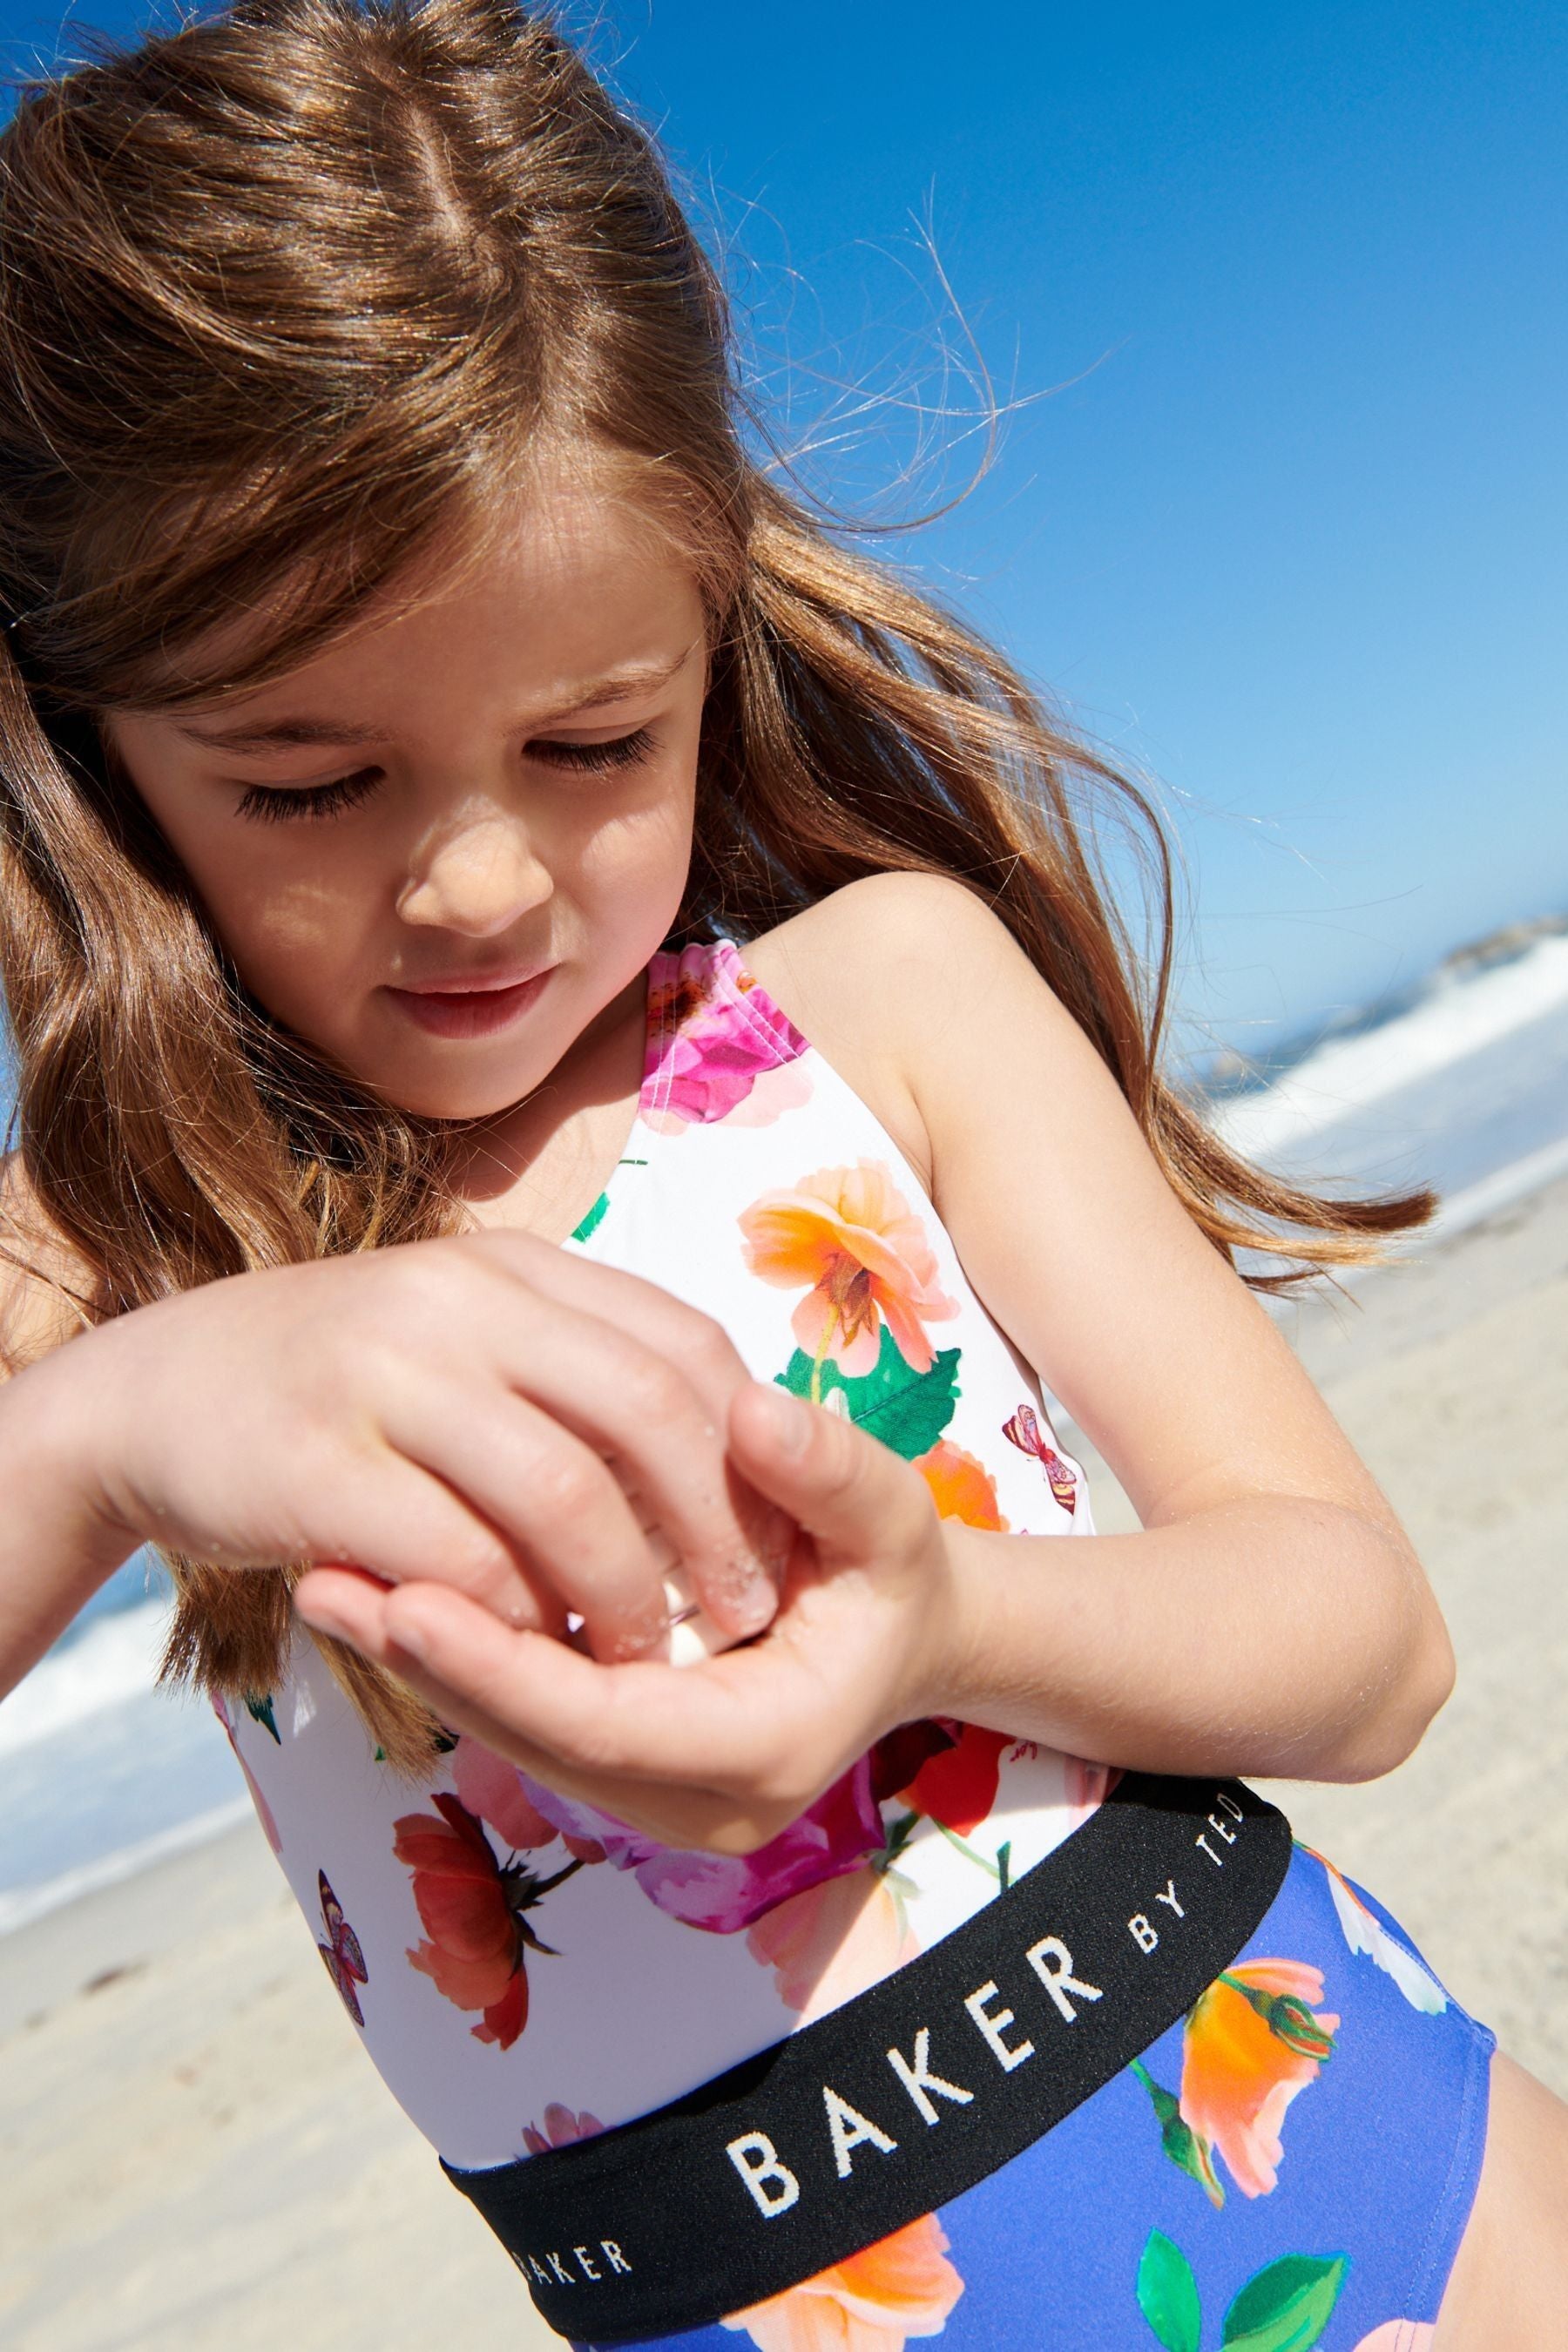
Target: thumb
{"points": [[855, 1496]]}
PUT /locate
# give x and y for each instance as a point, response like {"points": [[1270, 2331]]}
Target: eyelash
{"points": [[269, 805]]}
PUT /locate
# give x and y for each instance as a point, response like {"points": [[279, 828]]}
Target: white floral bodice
{"points": [[524, 1969]]}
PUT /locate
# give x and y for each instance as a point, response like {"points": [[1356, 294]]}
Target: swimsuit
{"points": [[1290, 2162]]}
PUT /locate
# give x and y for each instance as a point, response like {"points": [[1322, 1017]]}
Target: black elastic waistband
{"points": [[908, 2095]]}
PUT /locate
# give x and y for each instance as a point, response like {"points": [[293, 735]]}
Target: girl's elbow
{"points": [[1392, 1729]]}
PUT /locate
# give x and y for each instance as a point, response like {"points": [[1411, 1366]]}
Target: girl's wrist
{"points": [[960, 1632], [55, 1548], [51, 1462]]}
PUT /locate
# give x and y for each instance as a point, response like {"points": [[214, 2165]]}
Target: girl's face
{"points": [[441, 849]]}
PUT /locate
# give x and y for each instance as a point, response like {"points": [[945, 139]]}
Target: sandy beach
{"points": [[197, 2155]]}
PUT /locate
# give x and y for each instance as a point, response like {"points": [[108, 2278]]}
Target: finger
{"points": [[553, 1499], [673, 1333], [695, 1726], [647, 1418], [854, 1496], [349, 1608], [390, 1516]]}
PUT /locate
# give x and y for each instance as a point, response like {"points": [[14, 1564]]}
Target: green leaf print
{"points": [[594, 1220], [1183, 2145], [1286, 2307], [258, 1707], [906, 1409], [1168, 2295]]}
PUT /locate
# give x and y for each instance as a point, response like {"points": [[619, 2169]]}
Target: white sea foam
{"points": [[111, 1660], [20, 1906], [1462, 1014]]}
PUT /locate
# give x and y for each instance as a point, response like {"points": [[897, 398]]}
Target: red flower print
{"points": [[899, 1755], [958, 1786], [472, 1911]]}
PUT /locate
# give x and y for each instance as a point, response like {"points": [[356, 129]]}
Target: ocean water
{"points": [[1463, 1087]]}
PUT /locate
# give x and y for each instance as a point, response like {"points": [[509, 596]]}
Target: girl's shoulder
{"points": [[920, 996], [42, 1279]]}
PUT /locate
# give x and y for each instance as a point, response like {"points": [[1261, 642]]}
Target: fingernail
{"points": [[322, 1621], [791, 1418]]}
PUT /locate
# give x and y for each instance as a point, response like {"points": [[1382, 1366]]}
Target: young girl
{"points": [[798, 1891]]}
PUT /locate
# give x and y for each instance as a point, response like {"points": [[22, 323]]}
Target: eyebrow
{"points": [[627, 685]]}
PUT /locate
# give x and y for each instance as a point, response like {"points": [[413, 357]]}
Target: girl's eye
{"points": [[269, 805], [594, 759]]}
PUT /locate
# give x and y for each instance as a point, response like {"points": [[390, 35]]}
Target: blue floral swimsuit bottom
{"points": [[1283, 2156], [1164, 2207]]}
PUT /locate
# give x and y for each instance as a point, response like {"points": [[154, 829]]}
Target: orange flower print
{"points": [[903, 2286], [472, 1913], [849, 1236], [961, 1486], [1252, 2041]]}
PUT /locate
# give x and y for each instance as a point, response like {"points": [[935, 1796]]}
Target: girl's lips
{"points": [[445, 1011]]}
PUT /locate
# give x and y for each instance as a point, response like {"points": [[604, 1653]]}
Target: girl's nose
{"points": [[478, 876]]}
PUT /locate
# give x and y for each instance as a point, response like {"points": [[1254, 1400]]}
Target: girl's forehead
{"points": [[561, 590]]}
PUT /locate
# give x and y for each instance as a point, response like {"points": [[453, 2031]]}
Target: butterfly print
{"points": [[1024, 1430], [340, 1955]]}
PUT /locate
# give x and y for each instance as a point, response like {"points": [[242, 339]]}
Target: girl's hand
{"points": [[472, 1413], [726, 1753]]}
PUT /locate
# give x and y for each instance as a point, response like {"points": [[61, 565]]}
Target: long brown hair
{"points": [[287, 298]]}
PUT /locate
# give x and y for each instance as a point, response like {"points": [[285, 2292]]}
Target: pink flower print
{"points": [[723, 1892], [561, 2128], [1400, 2336], [849, 1235], [1088, 1787], [493, 1789], [832, 1941], [715, 1039], [263, 1809]]}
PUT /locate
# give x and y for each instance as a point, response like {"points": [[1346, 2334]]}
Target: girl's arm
{"points": [[52, 1557], [448, 1410], [1271, 1618]]}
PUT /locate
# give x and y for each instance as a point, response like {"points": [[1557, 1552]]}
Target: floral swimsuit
{"points": [[1291, 2165]]}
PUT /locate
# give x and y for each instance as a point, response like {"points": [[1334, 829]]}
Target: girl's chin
{"points": [[492, 1084]]}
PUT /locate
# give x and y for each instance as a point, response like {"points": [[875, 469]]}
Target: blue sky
{"points": [[1288, 530]]}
